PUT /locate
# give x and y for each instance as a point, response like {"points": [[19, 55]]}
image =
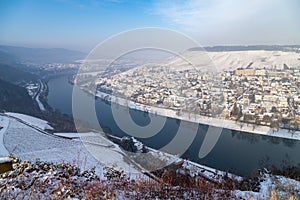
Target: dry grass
{"points": [[38, 180]]}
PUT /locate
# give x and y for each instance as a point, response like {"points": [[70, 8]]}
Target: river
{"points": [[237, 152]]}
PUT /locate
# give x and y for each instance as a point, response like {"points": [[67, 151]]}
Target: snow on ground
{"points": [[4, 122], [101, 148], [68, 135], [137, 144], [89, 137], [284, 186], [229, 60], [42, 124], [27, 143], [5, 159], [98, 139], [235, 59], [193, 168], [213, 174], [41, 106]]}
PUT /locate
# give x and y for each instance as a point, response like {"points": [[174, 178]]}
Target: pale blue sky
{"points": [[82, 24]]}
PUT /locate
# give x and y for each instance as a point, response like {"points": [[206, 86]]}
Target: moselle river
{"points": [[238, 152]]}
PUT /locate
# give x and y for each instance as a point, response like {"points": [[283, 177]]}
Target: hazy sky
{"points": [[82, 24]]}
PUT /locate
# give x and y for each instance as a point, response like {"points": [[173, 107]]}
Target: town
{"points": [[261, 96]]}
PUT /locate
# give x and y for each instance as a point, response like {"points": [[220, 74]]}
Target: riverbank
{"points": [[200, 119]]}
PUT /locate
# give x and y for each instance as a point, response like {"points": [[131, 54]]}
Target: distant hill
{"points": [[231, 60], [6, 58], [15, 98], [284, 48], [9, 54], [14, 75]]}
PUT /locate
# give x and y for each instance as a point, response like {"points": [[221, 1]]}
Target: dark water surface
{"points": [[235, 151]]}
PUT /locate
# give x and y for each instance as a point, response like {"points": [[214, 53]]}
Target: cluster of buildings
{"points": [[32, 88], [259, 96], [263, 96], [181, 90]]}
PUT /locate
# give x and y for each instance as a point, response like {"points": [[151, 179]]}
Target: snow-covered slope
{"points": [[42, 124], [234, 59], [260, 59], [4, 122], [27, 143]]}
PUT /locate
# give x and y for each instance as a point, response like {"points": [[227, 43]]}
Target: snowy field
{"points": [[230, 60], [68, 135], [27, 143], [260, 59], [4, 122], [42, 124]]}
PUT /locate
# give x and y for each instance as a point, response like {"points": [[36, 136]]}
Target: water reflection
{"points": [[245, 136]]}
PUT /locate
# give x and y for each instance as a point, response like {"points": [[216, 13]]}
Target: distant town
{"points": [[260, 96]]}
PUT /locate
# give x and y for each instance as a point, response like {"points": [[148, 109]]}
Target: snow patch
{"points": [[27, 143], [4, 159], [33, 121], [68, 135]]}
